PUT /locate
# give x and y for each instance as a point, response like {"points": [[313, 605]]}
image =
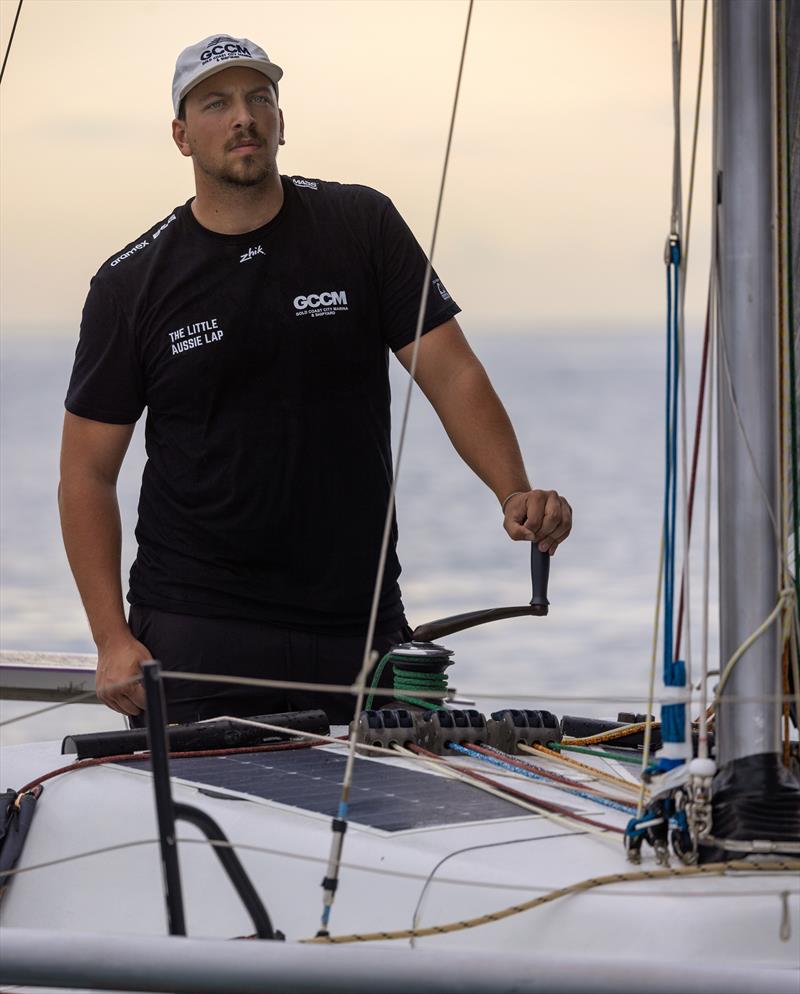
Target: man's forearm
{"points": [[481, 432], [90, 524]]}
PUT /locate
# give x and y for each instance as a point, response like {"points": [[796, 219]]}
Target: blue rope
{"points": [[625, 809]]}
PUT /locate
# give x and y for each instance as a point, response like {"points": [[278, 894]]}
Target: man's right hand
{"points": [[117, 668]]}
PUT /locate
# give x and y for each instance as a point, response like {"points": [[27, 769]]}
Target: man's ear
{"points": [[180, 138], [281, 139]]}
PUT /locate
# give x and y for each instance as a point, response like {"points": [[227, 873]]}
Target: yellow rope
{"points": [[610, 735], [710, 869], [538, 750]]}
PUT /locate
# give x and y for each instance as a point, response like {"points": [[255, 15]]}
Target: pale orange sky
{"points": [[557, 203]]}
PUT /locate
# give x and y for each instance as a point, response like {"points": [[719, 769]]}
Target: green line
{"points": [[635, 760], [378, 670]]}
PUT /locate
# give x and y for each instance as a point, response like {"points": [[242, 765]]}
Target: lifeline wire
{"points": [[340, 822], [10, 40], [623, 697], [301, 857], [425, 879]]}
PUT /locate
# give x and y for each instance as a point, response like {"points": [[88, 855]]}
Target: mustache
{"points": [[244, 140]]}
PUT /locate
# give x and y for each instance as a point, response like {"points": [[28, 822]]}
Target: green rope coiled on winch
{"points": [[408, 682]]}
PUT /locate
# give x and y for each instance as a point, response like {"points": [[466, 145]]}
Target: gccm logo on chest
{"points": [[320, 304]]}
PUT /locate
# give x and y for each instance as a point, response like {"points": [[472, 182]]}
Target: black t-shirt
{"points": [[262, 360]]}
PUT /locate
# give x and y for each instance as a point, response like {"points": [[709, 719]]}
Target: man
{"points": [[254, 323]]}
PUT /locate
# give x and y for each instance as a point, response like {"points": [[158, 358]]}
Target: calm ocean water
{"points": [[588, 412]]}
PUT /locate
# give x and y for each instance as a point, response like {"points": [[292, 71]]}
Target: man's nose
{"points": [[242, 114]]}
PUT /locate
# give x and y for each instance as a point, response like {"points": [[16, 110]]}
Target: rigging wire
{"points": [[702, 738], [728, 378], [417, 913], [10, 40], [684, 593], [677, 345], [425, 879], [301, 857], [622, 697], [790, 386], [684, 433], [339, 824]]}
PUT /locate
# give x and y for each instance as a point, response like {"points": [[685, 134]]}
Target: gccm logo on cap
{"points": [[214, 54], [230, 50]]}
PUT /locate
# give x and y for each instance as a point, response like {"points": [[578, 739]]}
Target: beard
{"points": [[245, 173]]}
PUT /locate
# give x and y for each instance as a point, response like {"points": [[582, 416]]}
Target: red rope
{"points": [[82, 764]]}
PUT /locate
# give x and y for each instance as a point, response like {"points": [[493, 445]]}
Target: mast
{"points": [[755, 799], [748, 472]]}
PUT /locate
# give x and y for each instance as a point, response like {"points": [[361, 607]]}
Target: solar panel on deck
{"points": [[383, 796]]}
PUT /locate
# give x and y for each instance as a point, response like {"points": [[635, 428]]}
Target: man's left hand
{"points": [[541, 516]]}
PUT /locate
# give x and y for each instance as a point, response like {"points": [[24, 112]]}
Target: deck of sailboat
{"points": [[445, 872]]}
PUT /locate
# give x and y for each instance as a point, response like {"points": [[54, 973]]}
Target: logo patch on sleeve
{"points": [[442, 291]]}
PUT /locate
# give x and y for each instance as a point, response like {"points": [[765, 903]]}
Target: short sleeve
{"points": [[106, 382], [401, 274]]}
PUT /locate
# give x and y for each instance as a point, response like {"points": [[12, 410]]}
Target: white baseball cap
{"points": [[211, 55]]}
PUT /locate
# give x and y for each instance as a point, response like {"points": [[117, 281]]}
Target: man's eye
{"points": [[261, 98], [214, 104]]}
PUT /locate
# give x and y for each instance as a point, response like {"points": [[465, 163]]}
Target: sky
{"points": [[558, 196]]}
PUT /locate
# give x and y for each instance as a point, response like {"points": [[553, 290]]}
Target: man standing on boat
{"points": [[254, 324]]}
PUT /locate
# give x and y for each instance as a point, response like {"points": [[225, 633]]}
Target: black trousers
{"points": [[238, 647]]}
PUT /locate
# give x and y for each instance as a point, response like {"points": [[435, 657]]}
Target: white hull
{"points": [[740, 925]]}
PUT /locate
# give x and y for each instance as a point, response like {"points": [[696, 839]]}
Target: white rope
{"points": [[787, 594]]}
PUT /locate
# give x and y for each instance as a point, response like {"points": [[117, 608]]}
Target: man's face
{"points": [[232, 127]]}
